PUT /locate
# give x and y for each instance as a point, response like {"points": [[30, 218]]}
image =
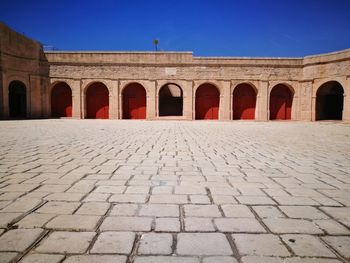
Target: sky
{"points": [[248, 28]]}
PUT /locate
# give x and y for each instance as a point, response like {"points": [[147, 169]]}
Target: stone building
{"points": [[175, 85]]}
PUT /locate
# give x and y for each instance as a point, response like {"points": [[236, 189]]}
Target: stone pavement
{"points": [[166, 191]]}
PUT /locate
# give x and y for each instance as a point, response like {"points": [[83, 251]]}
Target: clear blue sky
{"points": [[206, 27]]}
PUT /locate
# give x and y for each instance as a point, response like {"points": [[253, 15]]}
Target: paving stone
{"points": [[124, 210], [34, 220], [255, 200], [224, 199], [165, 224], [286, 225], [114, 242], [124, 223], [190, 190], [110, 189], [307, 212], [261, 259], [239, 225], [69, 197], [306, 245], [137, 190], [22, 205], [19, 240], [311, 260], [203, 244], [128, 198], [96, 259], [219, 260], [74, 222], [340, 243], [19, 188], [295, 200], [338, 212], [8, 218], [7, 257], [193, 224], [154, 243], [159, 210], [332, 227], [268, 212], [202, 211], [168, 199], [199, 199], [96, 197], [93, 208], [163, 259], [42, 258], [66, 242], [237, 211], [60, 208]]}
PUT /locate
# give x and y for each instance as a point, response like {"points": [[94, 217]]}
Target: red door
{"points": [[61, 101], [244, 101], [97, 102], [134, 102], [207, 102], [281, 99]]}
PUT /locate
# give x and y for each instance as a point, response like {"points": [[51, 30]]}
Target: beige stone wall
{"points": [[302, 75], [22, 59]]}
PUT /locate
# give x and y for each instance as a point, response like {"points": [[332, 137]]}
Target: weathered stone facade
{"points": [[23, 59]]}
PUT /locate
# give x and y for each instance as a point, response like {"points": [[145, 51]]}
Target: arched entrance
{"points": [[329, 101], [17, 99], [134, 102], [281, 99], [244, 102], [97, 101], [61, 100], [170, 100], [207, 102]]}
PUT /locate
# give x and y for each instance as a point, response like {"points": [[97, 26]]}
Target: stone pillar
{"points": [[151, 104], [77, 98], [225, 101], [188, 99], [34, 97], [2, 115], [346, 107], [45, 98], [262, 101], [306, 101], [113, 99]]}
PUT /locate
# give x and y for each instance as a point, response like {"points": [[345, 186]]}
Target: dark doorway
{"points": [[207, 102], [281, 99], [61, 100], [329, 101], [244, 101], [134, 102], [97, 101], [17, 100], [170, 100]]}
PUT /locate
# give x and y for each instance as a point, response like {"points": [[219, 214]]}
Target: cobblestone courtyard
{"points": [[164, 191]]}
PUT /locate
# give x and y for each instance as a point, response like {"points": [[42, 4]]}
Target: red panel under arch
{"points": [[281, 99], [97, 101], [61, 100], [244, 101], [134, 102], [207, 102]]}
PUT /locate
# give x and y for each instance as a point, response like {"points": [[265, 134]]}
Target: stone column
{"points": [[225, 101], [45, 97], [77, 97], [306, 100], [113, 99], [346, 107], [187, 107], [262, 101], [151, 110], [34, 97]]}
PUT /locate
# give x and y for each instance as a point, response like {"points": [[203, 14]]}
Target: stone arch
{"points": [[330, 101], [61, 100], [134, 101], [170, 100], [97, 101], [244, 101], [281, 100], [17, 99], [207, 102]]}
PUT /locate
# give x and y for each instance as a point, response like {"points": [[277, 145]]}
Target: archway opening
{"points": [[244, 102], [97, 101], [17, 99], [134, 102], [61, 100], [207, 102], [329, 101], [170, 100], [281, 99]]}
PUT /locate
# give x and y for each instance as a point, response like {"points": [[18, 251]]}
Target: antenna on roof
{"points": [[156, 42]]}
